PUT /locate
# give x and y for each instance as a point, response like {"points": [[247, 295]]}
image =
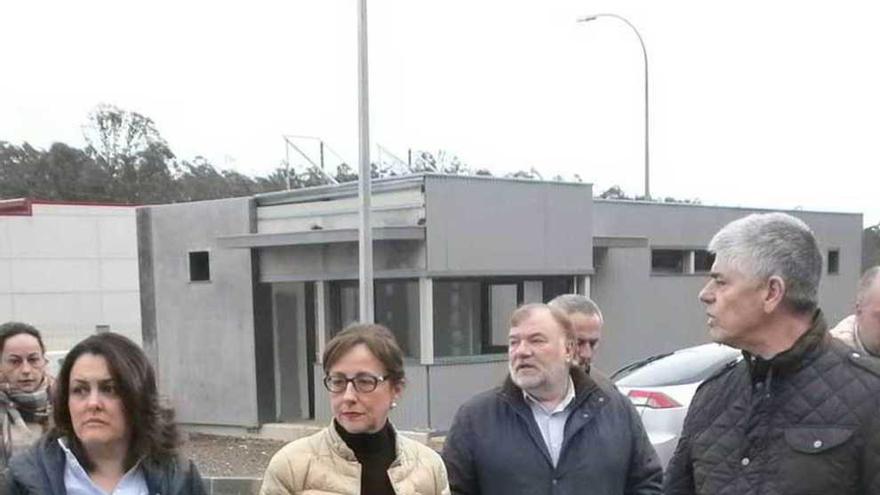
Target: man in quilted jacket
{"points": [[800, 414]]}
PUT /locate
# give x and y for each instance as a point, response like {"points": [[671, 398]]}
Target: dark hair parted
{"points": [[12, 328], [154, 435], [377, 338]]}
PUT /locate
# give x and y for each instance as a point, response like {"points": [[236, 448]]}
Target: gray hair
{"points": [[774, 244], [867, 280], [576, 303]]}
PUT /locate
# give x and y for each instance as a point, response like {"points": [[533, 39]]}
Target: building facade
{"points": [[239, 296], [70, 269]]}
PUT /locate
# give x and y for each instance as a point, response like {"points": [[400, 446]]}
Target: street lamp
{"points": [[365, 237], [645, 55]]}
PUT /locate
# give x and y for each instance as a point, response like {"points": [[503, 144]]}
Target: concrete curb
{"points": [[232, 486]]}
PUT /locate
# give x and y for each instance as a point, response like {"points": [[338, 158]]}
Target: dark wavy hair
{"points": [[154, 435], [12, 328]]}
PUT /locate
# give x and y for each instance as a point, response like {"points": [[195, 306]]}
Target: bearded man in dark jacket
{"points": [[551, 428], [800, 414]]}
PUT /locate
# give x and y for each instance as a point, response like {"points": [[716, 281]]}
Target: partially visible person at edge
{"points": [[586, 321], [550, 428], [861, 330], [360, 452], [25, 389], [799, 414], [111, 435]]}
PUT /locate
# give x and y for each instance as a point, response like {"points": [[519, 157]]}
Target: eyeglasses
{"points": [[363, 382]]}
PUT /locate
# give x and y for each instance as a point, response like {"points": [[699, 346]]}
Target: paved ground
{"points": [[230, 456]]}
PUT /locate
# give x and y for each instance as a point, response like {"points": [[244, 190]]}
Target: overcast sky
{"points": [[768, 104]]}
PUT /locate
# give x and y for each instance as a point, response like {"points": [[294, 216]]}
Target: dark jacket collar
{"points": [[805, 348]]}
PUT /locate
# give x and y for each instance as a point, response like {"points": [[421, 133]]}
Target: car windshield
{"points": [[690, 365]]}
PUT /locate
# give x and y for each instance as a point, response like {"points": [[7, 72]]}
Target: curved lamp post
{"points": [[645, 55]]}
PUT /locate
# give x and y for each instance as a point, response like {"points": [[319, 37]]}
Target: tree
{"points": [[134, 155]]}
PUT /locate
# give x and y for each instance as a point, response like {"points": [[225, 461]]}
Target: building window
{"points": [[703, 261], [833, 261], [471, 316], [668, 260], [395, 305], [199, 266]]}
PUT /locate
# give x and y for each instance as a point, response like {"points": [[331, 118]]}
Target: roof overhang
{"points": [[260, 240]]}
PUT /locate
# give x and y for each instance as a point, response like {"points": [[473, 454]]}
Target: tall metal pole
{"points": [[645, 55], [365, 237]]}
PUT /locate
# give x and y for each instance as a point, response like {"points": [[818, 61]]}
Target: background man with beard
{"points": [[550, 428], [586, 322], [861, 330], [799, 414]]}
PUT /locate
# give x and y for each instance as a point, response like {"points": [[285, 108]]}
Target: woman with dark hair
{"points": [[360, 452], [111, 435], [25, 389]]}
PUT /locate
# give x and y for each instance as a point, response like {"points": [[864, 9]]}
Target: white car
{"points": [[662, 387]]}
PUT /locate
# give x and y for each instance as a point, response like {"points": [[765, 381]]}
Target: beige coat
{"points": [[322, 464]]}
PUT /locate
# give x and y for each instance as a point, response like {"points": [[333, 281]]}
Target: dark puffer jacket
{"points": [[806, 422], [40, 471], [495, 447]]}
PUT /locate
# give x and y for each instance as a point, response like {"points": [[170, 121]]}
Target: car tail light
{"points": [[652, 400]]}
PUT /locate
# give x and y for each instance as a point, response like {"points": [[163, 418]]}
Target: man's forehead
{"points": [[539, 322]]}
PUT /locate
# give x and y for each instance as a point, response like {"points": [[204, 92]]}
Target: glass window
{"points": [[471, 317], [503, 300], [395, 305], [703, 261], [199, 266], [833, 261], [457, 318], [667, 260]]}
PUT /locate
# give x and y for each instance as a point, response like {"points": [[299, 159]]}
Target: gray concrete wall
{"points": [[507, 227], [204, 331], [338, 261], [452, 384], [646, 313]]}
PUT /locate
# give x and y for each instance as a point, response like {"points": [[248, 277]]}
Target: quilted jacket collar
{"points": [[804, 350]]}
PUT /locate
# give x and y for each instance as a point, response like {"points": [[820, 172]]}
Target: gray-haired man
{"points": [[586, 320], [799, 413]]}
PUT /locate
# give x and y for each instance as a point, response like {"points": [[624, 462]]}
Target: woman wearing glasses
{"points": [[25, 389], [360, 452]]}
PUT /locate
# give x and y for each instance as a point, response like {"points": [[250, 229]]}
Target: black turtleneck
{"points": [[375, 452]]}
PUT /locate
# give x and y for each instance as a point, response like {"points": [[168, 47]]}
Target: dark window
{"points": [[703, 261], [199, 266], [395, 305], [667, 260], [833, 261], [471, 316]]}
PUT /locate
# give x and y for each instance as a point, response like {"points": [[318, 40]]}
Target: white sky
{"points": [[767, 104]]}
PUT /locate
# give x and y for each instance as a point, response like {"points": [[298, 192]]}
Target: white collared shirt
{"points": [[78, 482], [552, 423]]}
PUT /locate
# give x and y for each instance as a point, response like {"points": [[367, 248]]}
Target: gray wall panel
{"points": [[205, 330], [506, 225], [453, 384]]}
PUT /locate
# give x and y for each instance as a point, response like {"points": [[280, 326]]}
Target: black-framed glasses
{"points": [[363, 382]]}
